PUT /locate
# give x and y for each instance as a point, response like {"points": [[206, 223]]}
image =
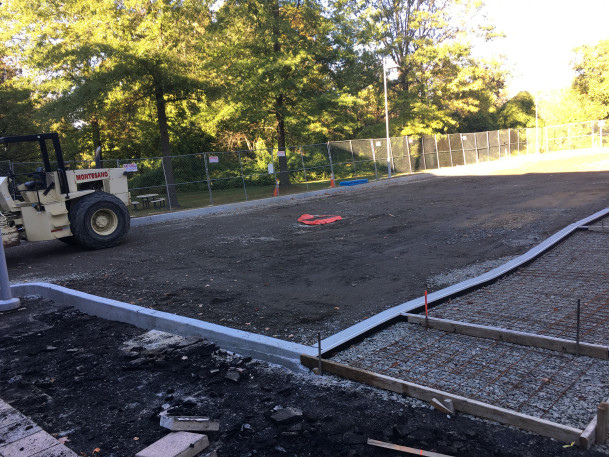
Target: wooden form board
{"points": [[509, 336], [542, 427]]}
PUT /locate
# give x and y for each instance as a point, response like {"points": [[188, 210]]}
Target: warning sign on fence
{"points": [[214, 159], [130, 167], [281, 153]]}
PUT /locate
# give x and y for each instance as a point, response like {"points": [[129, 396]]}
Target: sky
{"points": [[541, 36]]}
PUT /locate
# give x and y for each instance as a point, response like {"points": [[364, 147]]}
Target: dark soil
{"points": [[261, 271], [67, 371]]}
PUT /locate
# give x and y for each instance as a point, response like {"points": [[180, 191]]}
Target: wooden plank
{"points": [[542, 427], [588, 436], [409, 450], [510, 336]]}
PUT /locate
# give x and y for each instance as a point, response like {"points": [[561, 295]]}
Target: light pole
{"points": [[385, 68], [536, 126]]}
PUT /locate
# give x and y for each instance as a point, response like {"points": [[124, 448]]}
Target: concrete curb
{"points": [[260, 347], [360, 329]]}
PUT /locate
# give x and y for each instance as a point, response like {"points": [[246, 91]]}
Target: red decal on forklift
{"points": [[96, 175]]}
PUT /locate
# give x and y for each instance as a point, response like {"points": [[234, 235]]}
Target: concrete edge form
{"points": [[345, 336], [260, 347]]}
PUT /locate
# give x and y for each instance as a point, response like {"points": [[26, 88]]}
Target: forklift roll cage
{"points": [[42, 138]]}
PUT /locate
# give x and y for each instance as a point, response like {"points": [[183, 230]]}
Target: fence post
{"points": [[303, 166], [518, 141], [423, 151], [462, 148], [509, 142], [407, 141], [242, 176], [352, 160], [211, 198], [435, 138], [450, 150], [330, 159], [592, 130], [488, 147], [547, 147], [569, 136], [499, 142], [376, 175], [476, 147], [166, 183]]}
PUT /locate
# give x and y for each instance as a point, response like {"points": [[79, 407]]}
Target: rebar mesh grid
{"points": [[542, 297], [547, 384]]}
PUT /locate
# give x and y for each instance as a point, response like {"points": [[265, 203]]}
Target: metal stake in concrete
{"points": [[577, 331], [7, 302]]}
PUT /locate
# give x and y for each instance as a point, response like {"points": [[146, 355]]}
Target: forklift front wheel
{"points": [[99, 220]]}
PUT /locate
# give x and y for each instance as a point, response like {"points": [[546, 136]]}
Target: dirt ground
{"points": [[101, 386], [262, 271]]}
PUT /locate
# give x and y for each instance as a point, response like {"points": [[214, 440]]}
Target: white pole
{"points": [[387, 119], [7, 302]]}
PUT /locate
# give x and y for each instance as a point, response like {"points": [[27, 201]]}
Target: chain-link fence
{"points": [[212, 178]]}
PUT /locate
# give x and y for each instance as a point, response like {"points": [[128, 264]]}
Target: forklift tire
{"points": [[99, 220]]}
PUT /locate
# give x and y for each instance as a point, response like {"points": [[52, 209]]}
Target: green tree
{"points": [[279, 70], [439, 84], [518, 112], [94, 55], [591, 65]]}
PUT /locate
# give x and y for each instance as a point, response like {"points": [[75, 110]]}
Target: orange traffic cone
{"points": [[276, 193], [332, 180]]}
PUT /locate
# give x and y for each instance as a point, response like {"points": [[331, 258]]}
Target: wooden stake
{"points": [[319, 353], [602, 419], [408, 450], [442, 406]]}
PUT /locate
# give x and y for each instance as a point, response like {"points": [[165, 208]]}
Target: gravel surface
{"points": [[541, 383]]}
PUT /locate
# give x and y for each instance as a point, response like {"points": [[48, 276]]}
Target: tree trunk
{"points": [[165, 148], [284, 175], [97, 142]]}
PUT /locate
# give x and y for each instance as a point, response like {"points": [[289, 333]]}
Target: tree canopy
{"points": [[143, 78]]}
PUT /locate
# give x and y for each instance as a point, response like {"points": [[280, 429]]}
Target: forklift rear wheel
{"points": [[99, 220]]}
